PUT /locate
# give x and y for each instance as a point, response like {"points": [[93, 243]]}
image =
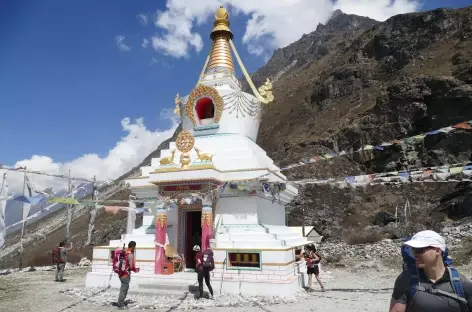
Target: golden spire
{"points": [[221, 52]]}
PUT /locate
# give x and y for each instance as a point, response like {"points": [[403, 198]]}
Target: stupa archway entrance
{"points": [[194, 218]]}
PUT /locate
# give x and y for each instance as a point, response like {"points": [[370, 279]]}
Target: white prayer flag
{"points": [[131, 222], [3, 205]]}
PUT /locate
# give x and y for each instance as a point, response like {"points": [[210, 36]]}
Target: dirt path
{"points": [[366, 290]]}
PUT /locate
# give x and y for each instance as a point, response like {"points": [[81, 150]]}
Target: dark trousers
{"points": [[204, 274], [123, 290], [60, 271]]}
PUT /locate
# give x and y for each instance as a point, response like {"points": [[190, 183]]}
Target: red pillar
{"points": [[207, 225], [161, 232]]}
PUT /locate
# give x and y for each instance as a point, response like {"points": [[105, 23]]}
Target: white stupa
{"points": [[242, 215]]}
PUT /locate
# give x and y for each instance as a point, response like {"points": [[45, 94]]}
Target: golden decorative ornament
{"points": [[185, 141], [169, 160], [203, 156], [178, 101], [204, 91], [161, 220], [207, 218], [221, 13], [266, 91]]}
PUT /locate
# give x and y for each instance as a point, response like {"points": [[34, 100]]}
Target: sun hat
{"points": [[427, 239]]}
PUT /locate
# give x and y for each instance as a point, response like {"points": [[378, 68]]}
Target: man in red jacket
{"points": [[125, 276]]}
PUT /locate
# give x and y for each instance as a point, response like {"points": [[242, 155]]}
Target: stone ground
{"points": [[365, 287]]}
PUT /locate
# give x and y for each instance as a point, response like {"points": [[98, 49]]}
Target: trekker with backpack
{"points": [[313, 259], [59, 259], [430, 284], [204, 265], [123, 263]]}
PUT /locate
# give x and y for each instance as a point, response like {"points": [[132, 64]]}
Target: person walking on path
{"points": [[431, 285], [313, 260], [204, 265], [125, 274], [59, 258]]}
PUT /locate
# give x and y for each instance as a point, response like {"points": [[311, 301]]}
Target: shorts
{"points": [[315, 270]]}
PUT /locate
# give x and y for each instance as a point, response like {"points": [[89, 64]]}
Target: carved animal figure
{"points": [[168, 160], [203, 156]]}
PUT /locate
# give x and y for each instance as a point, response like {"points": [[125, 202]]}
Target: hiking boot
{"points": [[56, 280], [211, 297]]}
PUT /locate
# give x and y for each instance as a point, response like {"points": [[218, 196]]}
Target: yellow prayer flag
{"points": [[63, 200]]}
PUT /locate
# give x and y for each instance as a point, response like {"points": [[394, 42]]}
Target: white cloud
{"points": [[128, 152], [145, 43], [142, 18], [178, 38], [271, 24], [163, 63], [122, 46]]}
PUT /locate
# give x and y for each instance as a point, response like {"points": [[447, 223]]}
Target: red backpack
{"points": [[119, 261], [56, 256]]}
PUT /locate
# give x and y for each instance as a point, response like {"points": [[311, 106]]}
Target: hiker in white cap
{"points": [[431, 285]]}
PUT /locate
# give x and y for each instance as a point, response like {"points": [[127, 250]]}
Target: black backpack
{"points": [[207, 260]]}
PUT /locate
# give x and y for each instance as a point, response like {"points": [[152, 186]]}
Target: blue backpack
{"points": [[409, 265]]}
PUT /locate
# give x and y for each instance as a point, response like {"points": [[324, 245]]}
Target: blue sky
{"points": [[65, 85]]}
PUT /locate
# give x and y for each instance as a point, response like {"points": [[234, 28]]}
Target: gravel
{"points": [[346, 291], [362, 286]]}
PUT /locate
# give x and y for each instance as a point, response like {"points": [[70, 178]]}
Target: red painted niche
{"points": [[205, 108]]}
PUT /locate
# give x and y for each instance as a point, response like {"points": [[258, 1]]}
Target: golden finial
{"points": [[221, 52], [221, 13], [221, 24]]}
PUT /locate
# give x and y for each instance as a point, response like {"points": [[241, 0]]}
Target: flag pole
{"points": [[69, 212], [20, 264], [92, 212]]}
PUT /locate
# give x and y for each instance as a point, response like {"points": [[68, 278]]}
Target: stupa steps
{"points": [[251, 243], [255, 236], [243, 229], [168, 288]]}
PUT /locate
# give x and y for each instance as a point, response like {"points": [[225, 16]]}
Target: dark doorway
{"points": [[193, 237]]}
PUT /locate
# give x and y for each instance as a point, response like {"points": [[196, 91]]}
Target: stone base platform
{"points": [[185, 283], [249, 271]]}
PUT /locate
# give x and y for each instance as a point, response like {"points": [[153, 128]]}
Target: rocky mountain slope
{"points": [[406, 76], [351, 82]]}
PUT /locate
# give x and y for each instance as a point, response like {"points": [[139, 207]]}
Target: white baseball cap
{"points": [[427, 239]]}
